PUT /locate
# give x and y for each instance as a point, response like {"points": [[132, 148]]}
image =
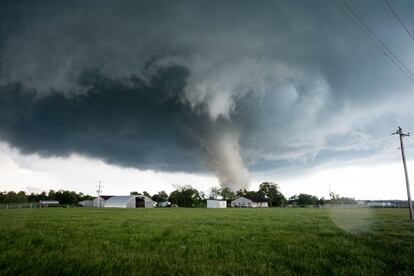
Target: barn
{"points": [[216, 203], [130, 201], [250, 202]]}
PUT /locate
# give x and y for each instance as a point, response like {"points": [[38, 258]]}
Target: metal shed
{"points": [[131, 201]]}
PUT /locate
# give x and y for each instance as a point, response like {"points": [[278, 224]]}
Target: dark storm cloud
{"points": [[131, 123], [183, 85]]}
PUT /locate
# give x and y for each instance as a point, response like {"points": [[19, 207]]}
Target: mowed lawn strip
{"points": [[182, 241]]}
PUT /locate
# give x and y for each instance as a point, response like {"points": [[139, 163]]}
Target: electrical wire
{"points": [[399, 19], [348, 12]]}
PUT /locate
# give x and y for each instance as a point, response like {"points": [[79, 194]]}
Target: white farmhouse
{"points": [[246, 201], [216, 203]]}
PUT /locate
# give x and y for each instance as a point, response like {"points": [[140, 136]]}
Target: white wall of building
{"points": [[216, 203], [260, 205], [242, 202], [149, 203], [245, 202], [101, 202]]}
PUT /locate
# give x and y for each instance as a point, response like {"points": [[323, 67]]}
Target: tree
{"points": [[202, 195], [134, 193], [306, 200], [293, 200], [82, 197], [51, 195], [161, 196], [321, 201], [241, 192], [185, 196], [215, 192], [13, 197], [271, 192], [37, 197], [21, 197], [145, 193], [66, 197], [255, 195], [221, 193], [227, 194]]}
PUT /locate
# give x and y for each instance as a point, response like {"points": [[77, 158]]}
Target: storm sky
{"points": [[230, 92]]}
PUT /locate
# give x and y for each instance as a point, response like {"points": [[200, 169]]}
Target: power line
{"points": [[381, 43], [348, 12], [399, 19]]}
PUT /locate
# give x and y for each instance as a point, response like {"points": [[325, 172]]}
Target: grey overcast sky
{"points": [[146, 94]]}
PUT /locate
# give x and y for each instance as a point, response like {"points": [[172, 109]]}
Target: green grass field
{"points": [[206, 241]]}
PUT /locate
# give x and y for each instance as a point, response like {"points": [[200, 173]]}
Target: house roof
{"points": [[254, 198]]}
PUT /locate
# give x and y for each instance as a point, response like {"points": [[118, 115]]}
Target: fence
{"points": [[19, 205], [365, 205]]}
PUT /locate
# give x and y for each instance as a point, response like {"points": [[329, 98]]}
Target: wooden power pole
{"points": [[407, 182]]}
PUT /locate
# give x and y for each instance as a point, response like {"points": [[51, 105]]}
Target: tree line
{"points": [[188, 196], [64, 197]]}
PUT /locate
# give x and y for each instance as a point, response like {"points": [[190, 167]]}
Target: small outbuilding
{"points": [[130, 201], [216, 203], [47, 203], [249, 202]]}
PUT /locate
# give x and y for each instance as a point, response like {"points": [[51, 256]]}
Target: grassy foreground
{"points": [[206, 241]]}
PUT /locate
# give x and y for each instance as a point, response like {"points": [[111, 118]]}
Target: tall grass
{"points": [[54, 241]]}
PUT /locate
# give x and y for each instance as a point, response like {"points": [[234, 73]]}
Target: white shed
{"points": [[249, 202], [47, 203], [216, 203], [131, 201]]}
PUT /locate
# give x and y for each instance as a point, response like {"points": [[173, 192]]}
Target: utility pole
{"points": [[402, 135], [99, 191], [330, 194]]}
